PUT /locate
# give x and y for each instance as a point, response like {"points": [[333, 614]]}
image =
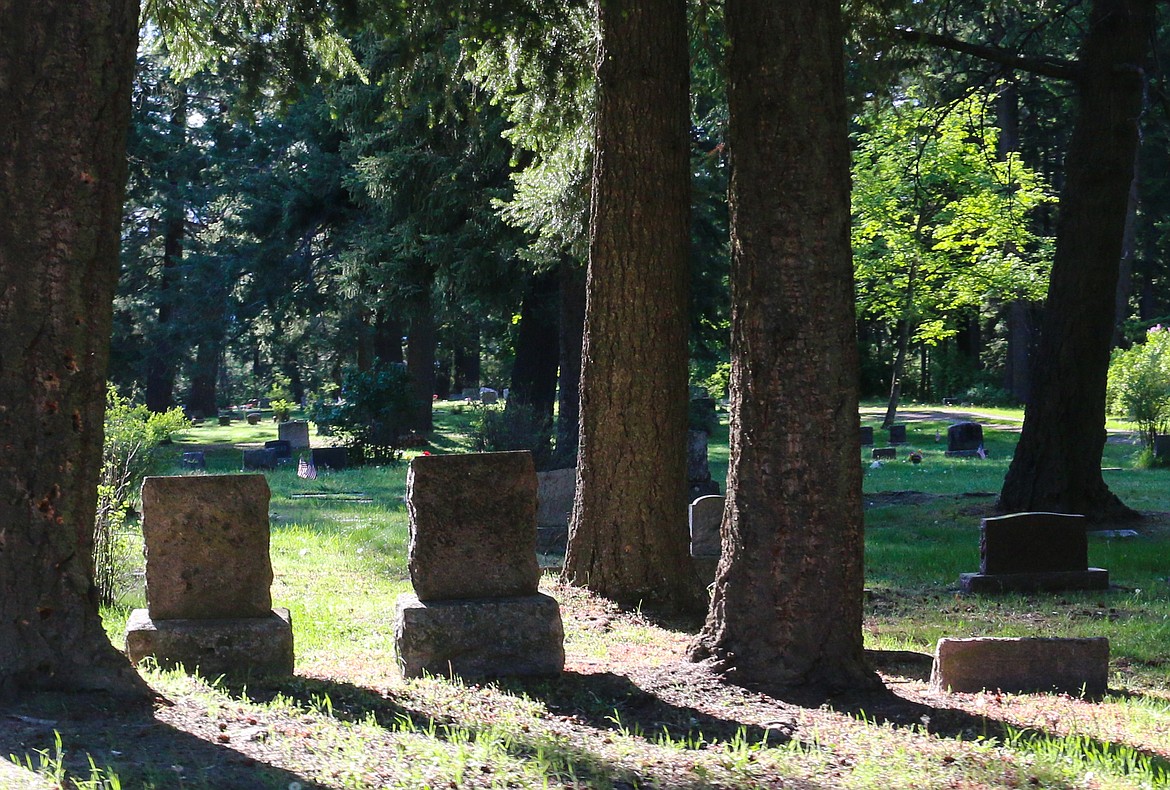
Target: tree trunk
{"points": [[787, 609], [388, 337], [628, 538], [1057, 466], [572, 331], [534, 373], [420, 362], [466, 364], [203, 399], [65, 75], [160, 364]]}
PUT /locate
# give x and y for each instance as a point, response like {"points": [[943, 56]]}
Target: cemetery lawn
{"points": [[630, 711]]}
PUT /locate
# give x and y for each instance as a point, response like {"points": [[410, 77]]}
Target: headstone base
{"points": [[242, 647], [1021, 665], [1047, 581], [484, 637], [962, 453]]}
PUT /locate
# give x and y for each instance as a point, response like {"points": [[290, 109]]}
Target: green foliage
{"points": [[372, 414], [1139, 384], [130, 452], [941, 225], [282, 409], [518, 427]]}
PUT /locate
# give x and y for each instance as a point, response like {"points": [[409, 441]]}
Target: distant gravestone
{"points": [[208, 579], [225, 419], [965, 440], [555, 490], [258, 459], [1022, 665], [471, 393], [330, 457], [279, 447], [706, 516], [1025, 552], [295, 432], [254, 417], [488, 396], [897, 434], [476, 609], [1162, 446], [194, 460], [884, 453], [866, 435]]}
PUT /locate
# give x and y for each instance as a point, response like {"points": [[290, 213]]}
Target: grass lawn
{"points": [[630, 711]]}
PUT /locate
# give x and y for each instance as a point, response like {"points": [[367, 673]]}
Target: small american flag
{"points": [[306, 469]]}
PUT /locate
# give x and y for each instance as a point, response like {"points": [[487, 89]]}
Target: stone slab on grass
{"points": [[472, 526], [207, 546], [485, 638], [1022, 665], [237, 648], [1051, 581]]}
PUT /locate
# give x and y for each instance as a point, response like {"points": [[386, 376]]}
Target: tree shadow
{"points": [[130, 742]]}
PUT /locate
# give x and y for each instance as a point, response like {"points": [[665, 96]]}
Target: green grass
{"points": [[338, 548]]}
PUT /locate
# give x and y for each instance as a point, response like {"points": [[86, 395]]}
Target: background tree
{"points": [[68, 67], [787, 606], [628, 538]]}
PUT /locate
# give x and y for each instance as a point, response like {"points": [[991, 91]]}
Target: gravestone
{"points": [[1162, 446], [866, 435], [1028, 552], [280, 448], [209, 578], [295, 432], [965, 440], [225, 419], [471, 393], [699, 482], [254, 417], [897, 434], [330, 457], [488, 396], [555, 490], [1022, 665], [476, 609], [884, 453], [259, 458], [194, 460], [706, 516]]}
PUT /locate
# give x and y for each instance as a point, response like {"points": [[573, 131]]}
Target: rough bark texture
{"points": [[65, 73], [628, 537], [1057, 466], [787, 608]]}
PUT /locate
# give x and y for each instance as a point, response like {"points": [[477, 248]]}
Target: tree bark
{"points": [[420, 361], [1057, 465], [628, 537], [65, 75], [534, 373], [572, 333], [787, 607]]}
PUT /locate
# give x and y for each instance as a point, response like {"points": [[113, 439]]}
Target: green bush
{"points": [[518, 427], [282, 409], [130, 452], [373, 412], [1139, 384]]}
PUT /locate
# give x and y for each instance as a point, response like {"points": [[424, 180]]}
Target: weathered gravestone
{"points": [[706, 516], [965, 440], [194, 460], [208, 579], [295, 432], [489, 396], [225, 419], [280, 448], [866, 435], [1022, 665], [471, 393], [1162, 446], [699, 482], [259, 458], [555, 490], [897, 434], [254, 417], [330, 457], [476, 609], [1027, 552], [884, 453]]}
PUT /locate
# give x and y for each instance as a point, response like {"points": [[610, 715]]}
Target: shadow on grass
{"points": [[130, 743]]}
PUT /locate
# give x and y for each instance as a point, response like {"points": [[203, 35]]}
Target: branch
{"points": [[1045, 67]]}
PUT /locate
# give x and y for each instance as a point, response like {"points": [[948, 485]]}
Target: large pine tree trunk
{"points": [[534, 373], [787, 608], [65, 74], [1057, 466], [628, 537], [572, 332], [420, 361]]}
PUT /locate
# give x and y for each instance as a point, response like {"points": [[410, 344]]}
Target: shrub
{"points": [[1139, 384], [130, 452], [518, 427], [372, 414], [282, 409]]}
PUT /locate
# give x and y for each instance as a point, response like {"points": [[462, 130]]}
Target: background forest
{"points": [[429, 205]]}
